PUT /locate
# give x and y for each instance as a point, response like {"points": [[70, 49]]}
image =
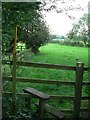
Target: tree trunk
{"points": [[34, 49]]}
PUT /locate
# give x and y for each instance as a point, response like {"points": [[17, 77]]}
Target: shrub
{"points": [[54, 41], [81, 44], [72, 43], [21, 113]]}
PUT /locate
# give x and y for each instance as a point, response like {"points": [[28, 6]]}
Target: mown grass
{"points": [[54, 54], [64, 55]]}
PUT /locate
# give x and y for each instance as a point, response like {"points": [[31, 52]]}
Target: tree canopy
{"points": [[32, 29], [80, 30]]}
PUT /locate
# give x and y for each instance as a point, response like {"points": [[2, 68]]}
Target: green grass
{"points": [[54, 54], [64, 55]]}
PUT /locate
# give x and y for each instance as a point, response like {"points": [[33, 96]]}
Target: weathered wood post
{"points": [[21, 48], [1, 88], [78, 89], [28, 102], [14, 65], [41, 108], [14, 75]]}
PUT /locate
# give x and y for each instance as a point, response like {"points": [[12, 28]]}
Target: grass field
{"points": [[64, 55], [54, 54]]}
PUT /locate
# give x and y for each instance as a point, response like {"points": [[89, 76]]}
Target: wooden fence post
{"points": [[21, 48], [78, 90], [14, 65], [41, 108], [89, 94], [14, 76], [28, 102]]}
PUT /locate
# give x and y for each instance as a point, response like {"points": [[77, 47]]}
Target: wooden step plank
{"points": [[36, 93], [53, 111]]}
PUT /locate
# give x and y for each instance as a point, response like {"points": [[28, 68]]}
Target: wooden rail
{"points": [[43, 81], [55, 66], [52, 66], [55, 97], [86, 68]]}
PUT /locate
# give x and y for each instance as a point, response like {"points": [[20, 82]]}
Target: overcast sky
{"points": [[60, 23]]}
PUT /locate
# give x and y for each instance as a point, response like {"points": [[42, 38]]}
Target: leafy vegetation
{"points": [[32, 29], [21, 113], [79, 31]]}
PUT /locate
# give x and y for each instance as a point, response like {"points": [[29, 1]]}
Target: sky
{"points": [[60, 23]]}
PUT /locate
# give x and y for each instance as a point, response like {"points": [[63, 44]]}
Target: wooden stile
{"points": [[78, 82], [42, 98]]}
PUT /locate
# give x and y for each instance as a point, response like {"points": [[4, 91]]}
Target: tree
{"points": [[28, 18], [36, 35], [80, 30], [71, 34]]}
